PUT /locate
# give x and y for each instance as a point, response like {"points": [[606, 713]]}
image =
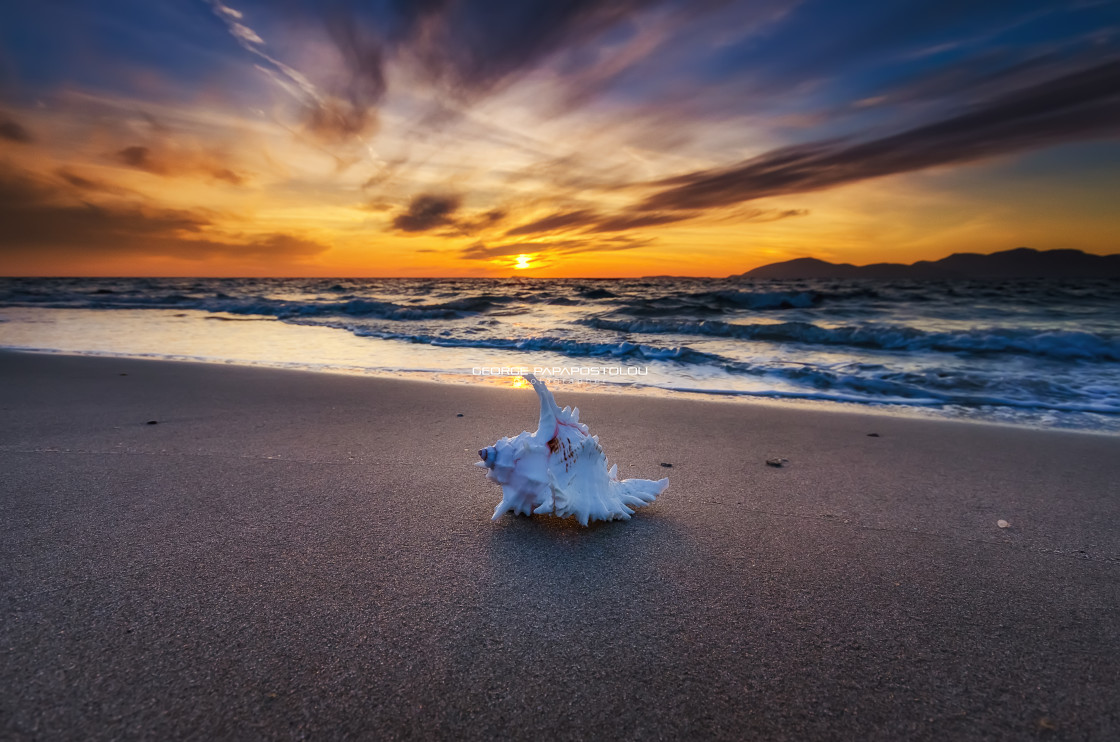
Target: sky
{"points": [[553, 138]]}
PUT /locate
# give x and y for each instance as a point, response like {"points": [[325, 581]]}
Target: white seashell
{"points": [[561, 470]]}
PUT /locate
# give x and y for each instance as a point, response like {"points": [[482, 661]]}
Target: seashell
{"points": [[561, 470]]}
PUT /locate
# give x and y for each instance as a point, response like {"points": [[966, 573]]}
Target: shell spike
{"points": [[549, 407]]}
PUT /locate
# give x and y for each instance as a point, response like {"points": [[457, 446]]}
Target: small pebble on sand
{"points": [[1002, 523]]}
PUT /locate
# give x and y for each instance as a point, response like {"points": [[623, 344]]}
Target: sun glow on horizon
{"points": [[522, 262]]}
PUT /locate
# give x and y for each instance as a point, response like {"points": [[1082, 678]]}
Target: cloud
{"points": [[141, 159], [460, 51], [482, 251], [554, 222], [38, 217], [474, 47], [82, 183], [1076, 106], [344, 107], [469, 225], [14, 132], [336, 120], [427, 211], [592, 222], [169, 163], [626, 221], [588, 220]]}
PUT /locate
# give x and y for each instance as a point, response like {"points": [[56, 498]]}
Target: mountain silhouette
{"points": [[1022, 262]]}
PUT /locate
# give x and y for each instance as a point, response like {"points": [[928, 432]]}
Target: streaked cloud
{"points": [[482, 251], [1078, 106], [426, 212], [57, 220], [174, 164], [13, 131]]}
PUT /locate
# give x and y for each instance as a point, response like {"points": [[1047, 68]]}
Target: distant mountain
{"points": [[1022, 262]]}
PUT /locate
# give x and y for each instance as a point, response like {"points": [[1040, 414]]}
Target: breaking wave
{"points": [[1058, 344]]}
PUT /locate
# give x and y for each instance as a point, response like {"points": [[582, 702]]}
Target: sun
{"points": [[522, 262]]}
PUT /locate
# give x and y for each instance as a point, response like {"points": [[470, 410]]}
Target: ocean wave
{"points": [[562, 346], [278, 308], [761, 299], [1062, 345], [717, 302], [852, 382], [588, 292], [840, 394]]}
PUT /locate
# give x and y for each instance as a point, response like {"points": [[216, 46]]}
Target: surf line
{"points": [[560, 371]]}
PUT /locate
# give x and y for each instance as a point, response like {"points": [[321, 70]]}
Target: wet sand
{"points": [[289, 555]]}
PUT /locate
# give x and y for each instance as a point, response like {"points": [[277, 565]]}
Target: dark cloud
{"points": [[14, 132], [593, 222], [471, 48], [351, 109], [1077, 106], [468, 225], [140, 158], [774, 215], [590, 221], [426, 212], [168, 163], [624, 221], [337, 120], [465, 50], [38, 217], [82, 183], [555, 222]]}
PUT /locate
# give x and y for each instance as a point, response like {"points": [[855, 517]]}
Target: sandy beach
{"points": [[295, 555]]}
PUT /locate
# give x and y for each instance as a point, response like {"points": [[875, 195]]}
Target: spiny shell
{"points": [[561, 470]]}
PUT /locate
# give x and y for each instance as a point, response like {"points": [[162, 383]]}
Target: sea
{"points": [[1039, 353]]}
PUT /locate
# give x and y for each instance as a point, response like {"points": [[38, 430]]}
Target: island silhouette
{"points": [[1022, 262]]}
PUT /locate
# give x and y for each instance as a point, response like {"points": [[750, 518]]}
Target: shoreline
{"points": [[203, 551], [880, 409]]}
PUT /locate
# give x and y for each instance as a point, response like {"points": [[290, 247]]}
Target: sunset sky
{"points": [[566, 138]]}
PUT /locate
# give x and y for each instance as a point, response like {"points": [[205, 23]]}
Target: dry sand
{"points": [[290, 555]]}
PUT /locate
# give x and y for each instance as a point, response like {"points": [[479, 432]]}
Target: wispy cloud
{"points": [[56, 219], [84, 183], [13, 131], [170, 163], [331, 117], [426, 212], [1077, 106], [557, 221], [482, 251], [586, 221]]}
